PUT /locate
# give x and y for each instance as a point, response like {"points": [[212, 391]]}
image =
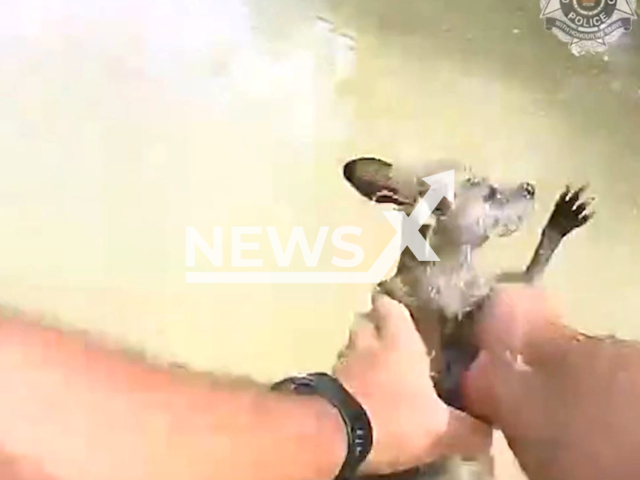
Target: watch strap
{"points": [[354, 416]]}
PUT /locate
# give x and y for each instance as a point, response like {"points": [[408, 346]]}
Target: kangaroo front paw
{"points": [[571, 211]]}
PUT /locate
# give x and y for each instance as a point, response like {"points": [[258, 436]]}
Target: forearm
{"points": [[70, 410], [570, 410]]}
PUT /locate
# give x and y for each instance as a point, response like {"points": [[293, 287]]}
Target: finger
{"points": [[341, 357], [503, 326], [513, 318], [465, 435], [362, 335], [393, 322], [479, 386]]}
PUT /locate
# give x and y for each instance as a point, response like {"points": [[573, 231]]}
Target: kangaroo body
{"points": [[443, 296]]}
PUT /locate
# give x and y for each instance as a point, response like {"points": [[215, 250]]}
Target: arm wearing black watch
{"points": [[358, 427]]}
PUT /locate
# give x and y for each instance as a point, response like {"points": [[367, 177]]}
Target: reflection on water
{"points": [[124, 122]]}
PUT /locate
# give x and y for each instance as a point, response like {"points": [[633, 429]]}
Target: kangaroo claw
{"points": [[571, 211]]}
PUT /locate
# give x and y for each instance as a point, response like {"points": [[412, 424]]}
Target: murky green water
{"points": [[121, 123]]}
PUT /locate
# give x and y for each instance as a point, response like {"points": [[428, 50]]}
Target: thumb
{"points": [[512, 316]]}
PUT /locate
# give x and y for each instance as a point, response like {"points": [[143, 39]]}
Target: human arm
{"points": [[568, 404], [71, 409]]}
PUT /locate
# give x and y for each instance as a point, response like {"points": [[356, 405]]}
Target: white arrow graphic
{"points": [[407, 235]]}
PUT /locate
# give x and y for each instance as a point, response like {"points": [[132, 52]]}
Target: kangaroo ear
{"points": [[374, 179]]}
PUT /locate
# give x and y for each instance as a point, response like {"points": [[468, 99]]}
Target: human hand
{"points": [[386, 367], [530, 379], [521, 336]]}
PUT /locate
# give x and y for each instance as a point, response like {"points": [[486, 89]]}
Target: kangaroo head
{"points": [[480, 208]]}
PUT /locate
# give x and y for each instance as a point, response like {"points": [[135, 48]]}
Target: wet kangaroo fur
{"points": [[443, 296]]}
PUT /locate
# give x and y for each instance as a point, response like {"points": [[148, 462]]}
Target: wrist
{"points": [[331, 440], [317, 431], [356, 426]]}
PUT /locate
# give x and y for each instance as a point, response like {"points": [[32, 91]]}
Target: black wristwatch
{"points": [[354, 416]]}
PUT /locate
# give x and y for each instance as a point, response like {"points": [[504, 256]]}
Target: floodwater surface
{"points": [[122, 123]]}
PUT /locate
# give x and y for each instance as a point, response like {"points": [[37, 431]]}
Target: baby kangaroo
{"points": [[442, 296]]}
